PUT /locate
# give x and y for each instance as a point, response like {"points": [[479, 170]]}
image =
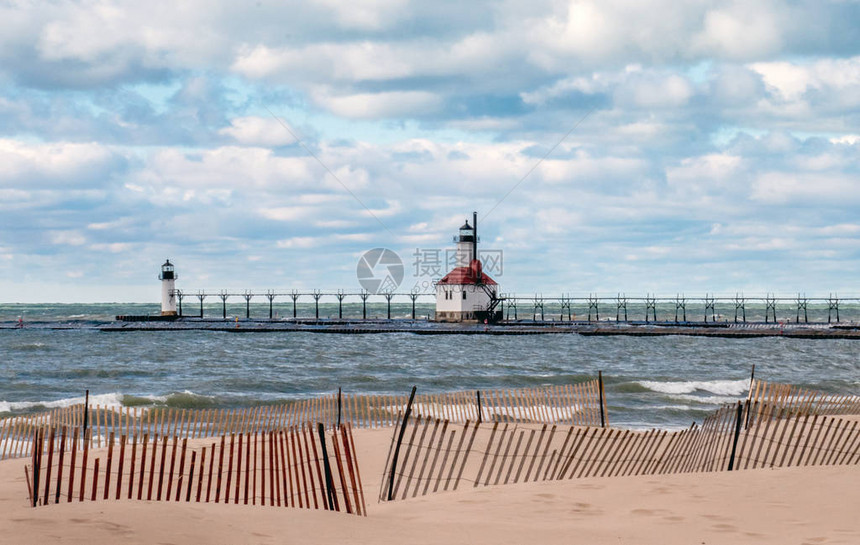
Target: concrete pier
{"points": [[424, 327]]}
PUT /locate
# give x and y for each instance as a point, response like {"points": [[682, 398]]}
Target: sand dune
{"points": [[791, 505]]}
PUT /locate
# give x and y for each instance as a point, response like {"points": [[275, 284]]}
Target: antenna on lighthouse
{"points": [[475, 241]]}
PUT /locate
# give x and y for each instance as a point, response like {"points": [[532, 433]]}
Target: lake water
{"points": [[650, 381]]}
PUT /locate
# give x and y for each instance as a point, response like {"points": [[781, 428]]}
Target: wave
{"points": [[104, 400], [718, 387], [181, 400], [711, 401]]}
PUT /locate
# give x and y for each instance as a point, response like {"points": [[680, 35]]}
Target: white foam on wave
{"points": [[707, 400], [718, 387], [103, 400], [110, 400]]}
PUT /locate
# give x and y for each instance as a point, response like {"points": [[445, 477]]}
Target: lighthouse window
{"points": [[464, 295]]}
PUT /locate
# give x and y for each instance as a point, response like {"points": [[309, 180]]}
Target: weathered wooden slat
{"points": [[122, 441], [191, 476], [142, 465], [161, 465], [95, 480], [320, 486], [49, 466], [179, 482], [172, 467], [60, 464]]}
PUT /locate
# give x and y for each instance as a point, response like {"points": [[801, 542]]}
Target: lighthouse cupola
{"points": [[467, 233], [168, 278], [467, 243]]}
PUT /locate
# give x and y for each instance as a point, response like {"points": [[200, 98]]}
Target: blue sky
{"points": [[714, 145]]}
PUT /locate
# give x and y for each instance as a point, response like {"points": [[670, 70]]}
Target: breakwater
{"points": [[424, 327]]}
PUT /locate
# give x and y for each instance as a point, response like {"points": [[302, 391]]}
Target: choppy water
{"points": [[662, 381]]}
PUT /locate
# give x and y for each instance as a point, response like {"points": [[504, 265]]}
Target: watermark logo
{"points": [[379, 270]]}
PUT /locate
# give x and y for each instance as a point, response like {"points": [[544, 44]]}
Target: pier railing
{"points": [[581, 404], [735, 308]]}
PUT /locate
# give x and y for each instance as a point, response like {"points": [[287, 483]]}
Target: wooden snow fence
{"points": [[792, 400], [298, 467], [438, 455], [580, 404]]}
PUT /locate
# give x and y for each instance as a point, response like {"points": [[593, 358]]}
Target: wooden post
{"points": [[602, 401], [737, 434], [399, 442], [86, 412], [339, 407], [37, 462], [329, 481], [480, 411]]}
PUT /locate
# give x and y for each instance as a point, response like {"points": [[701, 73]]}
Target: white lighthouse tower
{"points": [[466, 293], [168, 289]]}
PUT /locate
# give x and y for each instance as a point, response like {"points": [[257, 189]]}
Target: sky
{"points": [[608, 146]]}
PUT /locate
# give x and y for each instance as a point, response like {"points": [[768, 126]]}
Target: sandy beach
{"points": [[788, 505]]}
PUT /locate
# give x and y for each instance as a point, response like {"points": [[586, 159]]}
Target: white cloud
{"points": [[377, 105], [54, 164], [259, 131], [68, 238], [667, 91], [364, 14], [705, 115], [297, 242], [791, 187], [741, 31], [848, 139]]}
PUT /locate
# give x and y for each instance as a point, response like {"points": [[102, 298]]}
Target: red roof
{"points": [[465, 275]]}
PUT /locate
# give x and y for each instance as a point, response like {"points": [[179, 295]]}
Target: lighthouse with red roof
{"points": [[466, 293]]}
